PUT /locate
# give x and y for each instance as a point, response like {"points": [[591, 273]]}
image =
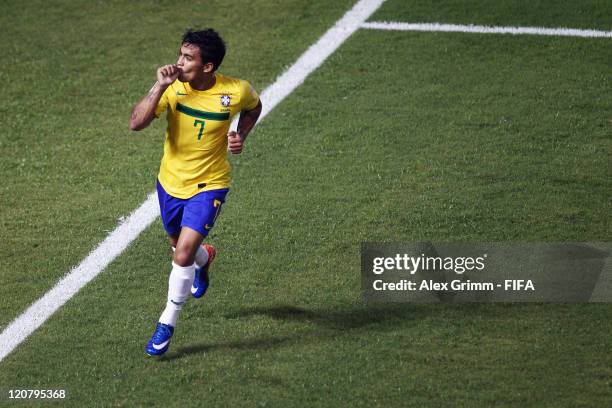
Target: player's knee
{"points": [[183, 257]]}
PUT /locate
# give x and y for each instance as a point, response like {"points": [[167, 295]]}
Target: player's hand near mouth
{"points": [[167, 74]]}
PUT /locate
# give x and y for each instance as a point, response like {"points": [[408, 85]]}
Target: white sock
{"points": [[201, 257], [179, 286]]}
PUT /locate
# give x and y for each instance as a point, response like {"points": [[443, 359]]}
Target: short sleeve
{"points": [[162, 105], [249, 97]]}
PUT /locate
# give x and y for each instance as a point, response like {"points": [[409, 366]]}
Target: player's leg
{"points": [[197, 216], [182, 274], [171, 209], [202, 255], [201, 214], [179, 285], [187, 246]]}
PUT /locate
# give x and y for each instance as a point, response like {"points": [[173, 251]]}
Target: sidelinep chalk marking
{"points": [[454, 28], [30, 320]]}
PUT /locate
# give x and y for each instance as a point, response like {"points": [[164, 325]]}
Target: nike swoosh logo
{"points": [[161, 346], [181, 94], [206, 227], [193, 290]]}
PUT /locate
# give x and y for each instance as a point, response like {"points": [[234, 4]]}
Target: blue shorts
{"points": [[198, 212]]}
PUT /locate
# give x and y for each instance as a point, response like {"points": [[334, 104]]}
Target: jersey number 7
{"points": [[201, 123]]}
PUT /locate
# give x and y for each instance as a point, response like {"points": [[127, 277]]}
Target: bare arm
{"points": [[245, 125], [144, 111], [247, 120]]}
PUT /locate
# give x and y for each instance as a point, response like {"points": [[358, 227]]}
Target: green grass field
{"points": [[398, 136]]}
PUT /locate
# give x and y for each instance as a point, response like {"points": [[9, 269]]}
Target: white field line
{"points": [[33, 317], [454, 28]]}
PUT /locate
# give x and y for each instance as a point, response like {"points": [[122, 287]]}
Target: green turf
{"points": [[399, 136], [72, 72], [585, 14]]}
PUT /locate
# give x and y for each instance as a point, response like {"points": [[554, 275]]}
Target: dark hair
{"points": [[212, 47]]}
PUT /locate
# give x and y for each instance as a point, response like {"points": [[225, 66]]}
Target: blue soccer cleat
{"points": [[160, 341], [201, 278]]}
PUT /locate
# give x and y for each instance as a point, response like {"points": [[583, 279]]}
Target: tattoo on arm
{"points": [[150, 95], [144, 112]]}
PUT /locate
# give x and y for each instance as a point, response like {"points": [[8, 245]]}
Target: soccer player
{"points": [[194, 175]]}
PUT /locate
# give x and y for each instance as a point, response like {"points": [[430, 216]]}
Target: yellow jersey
{"points": [[195, 147]]}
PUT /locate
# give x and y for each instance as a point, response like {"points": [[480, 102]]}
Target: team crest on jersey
{"points": [[225, 100]]}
